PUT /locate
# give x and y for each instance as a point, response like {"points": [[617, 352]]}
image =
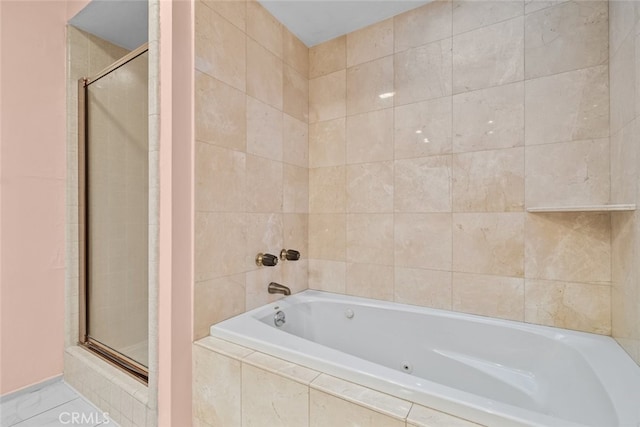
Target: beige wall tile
{"points": [[217, 300], [423, 129], [264, 75], [568, 173], [281, 367], [567, 106], [421, 416], [327, 192], [489, 243], [372, 42], [234, 11], [622, 19], [216, 388], [214, 257], [328, 236], [296, 189], [579, 31], [264, 130], [370, 136], [264, 235], [264, 185], [327, 97], [295, 141], [219, 178], [494, 296], [264, 28], [220, 47], [327, 143], [327, 410], [423, 73], [488, 56], [423, 241], [370, 281], [489, 181], [220, 113], [531, 6], [622, 71], [428, 288], [295, 275], [370, 187], [269, 399], [256, 294], [470, 15], [296, 234], [295, 53], [423, 184], [489, 118], [579, 306], [366, 82], [573, 247], [328, 57], [330, 276], [370, 239], [296, 94], [411, 29]]}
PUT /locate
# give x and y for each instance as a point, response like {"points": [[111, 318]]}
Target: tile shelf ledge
{"points": [[583, 208]]}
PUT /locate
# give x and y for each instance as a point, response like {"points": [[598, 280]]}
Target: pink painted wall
{"points": [[32, 191]]}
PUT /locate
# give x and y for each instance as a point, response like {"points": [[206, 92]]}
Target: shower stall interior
{"points": [[113, 216]]}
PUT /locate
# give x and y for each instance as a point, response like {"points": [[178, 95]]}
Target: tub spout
{"points": [[277, 288]]}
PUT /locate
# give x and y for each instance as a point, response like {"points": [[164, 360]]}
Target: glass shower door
{"points": [[116, 187]]}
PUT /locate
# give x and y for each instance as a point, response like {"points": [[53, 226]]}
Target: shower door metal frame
{"points": [[128, 365]]}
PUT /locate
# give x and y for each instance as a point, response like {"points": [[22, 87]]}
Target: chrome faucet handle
{"points": [[266, 260], [289, 255]]}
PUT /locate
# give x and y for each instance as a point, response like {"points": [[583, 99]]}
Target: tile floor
{"points": [[55, 404]]}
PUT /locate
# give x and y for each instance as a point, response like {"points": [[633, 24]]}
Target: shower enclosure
{"points": [[113, 213]]}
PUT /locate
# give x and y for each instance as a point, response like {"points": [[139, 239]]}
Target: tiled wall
{"points": [[236, 386], [420, 197], [624, 57], [251, 158]]}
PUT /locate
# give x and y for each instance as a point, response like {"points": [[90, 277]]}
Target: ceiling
{"points": [[316, 21]]}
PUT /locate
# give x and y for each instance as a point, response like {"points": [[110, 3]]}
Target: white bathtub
{"points": [[490, 371]]}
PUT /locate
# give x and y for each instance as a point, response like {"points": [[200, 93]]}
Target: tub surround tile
{"points": [[489, 243], [489, 181], [422, 129], [354, 393], [370, 238], [209, 308], [223, 347], [262, 170], [494, 296], [234, 11], [328, 410], [217, 385], [421, 416], [270, 399], [427, 288], [489, 56], [423, 184], [296, 274], [264, 130], [578, 306], [370, 280], [327, 192], [573, 247], [328, 97], [423, 73], [295, 198], [214, 257], [366, 83], [220, 47], [623, 69], [256, 294], [489, 118], [220, 113], [328, 57], [264, 233], [622, 19], [281, 367], [295, 53], [295, 141], [370, 188], [327, 142], [296, 94], [264, 28], [264, 75], [369, 137], [568, 106], [423, 241], [329, 276], [531, 6], [369, 43], [569, 173], [296, 233], [328, 236], [566, 37], [470, 15], [219, 179], [410, 29]]}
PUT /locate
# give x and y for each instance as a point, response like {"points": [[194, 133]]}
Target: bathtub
{"points": [[494, 372]]}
